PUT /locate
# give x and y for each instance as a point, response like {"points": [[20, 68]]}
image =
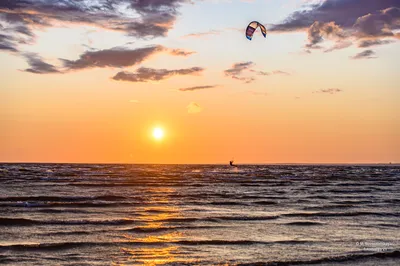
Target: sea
{"points": [[116, 214]]}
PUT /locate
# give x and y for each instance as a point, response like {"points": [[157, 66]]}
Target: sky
{"points": [[87, 81]]}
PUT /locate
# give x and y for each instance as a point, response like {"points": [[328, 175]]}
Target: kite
{"points": [[251, 28]]}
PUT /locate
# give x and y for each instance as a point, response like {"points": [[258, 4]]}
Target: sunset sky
{"points": [[89, 80]]}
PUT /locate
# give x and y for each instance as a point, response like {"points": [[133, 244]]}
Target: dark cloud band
{"points": [[365, 21], [198, 88], [150, 74], [155, 17]]}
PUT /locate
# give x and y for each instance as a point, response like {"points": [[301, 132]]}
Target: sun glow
{"points": [[158, 133]]}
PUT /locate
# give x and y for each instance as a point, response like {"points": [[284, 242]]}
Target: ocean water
{"points": [[76, 214]]}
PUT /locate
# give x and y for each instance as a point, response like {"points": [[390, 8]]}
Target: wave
{"points": [[388, 225], [304, 223], [353, 191], [17, 221], [62, 198], [262, 197], [227, 203], [345, 202], [265, 202], [31, 222], [67, 204], [346, 258], [70, 210], [50, 246], [68, 245], [329, 207], [64, 233], [240, 242], [4, 259], [220, 219], [167, 228], [341, 214]]}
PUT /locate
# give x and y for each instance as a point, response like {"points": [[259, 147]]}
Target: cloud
{"points": [[115, 57], [212, 32], [194, 107], [369, 43], [261, 73], [140, 19], [318, 30], [198, 88], [344, 19], [329, 91], [343, 12], [202, 34], [338, 46], [133, 101], [149, 74], [367, 54], [380, 24], [237, 70], [180, 52], [7, 43], [279, 72], [118, 57], [38, 66]]}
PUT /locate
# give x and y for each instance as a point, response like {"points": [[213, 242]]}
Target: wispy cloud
{"points": [[150, 74], [194, 108], [367, 54], [370, 43], [198, 88], [38, 66], [238, 69], [181, 52], [279, 72], [202, 34], [338, 46], [329, 91], [8, 43], [212, 32]]}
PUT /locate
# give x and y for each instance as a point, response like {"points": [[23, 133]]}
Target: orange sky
{"points": [[84, 92]]}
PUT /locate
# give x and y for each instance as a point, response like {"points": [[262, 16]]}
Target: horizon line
{"points": [[271, 163]]}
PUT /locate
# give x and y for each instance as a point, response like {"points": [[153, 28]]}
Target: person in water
{"points": [[231, 163]]}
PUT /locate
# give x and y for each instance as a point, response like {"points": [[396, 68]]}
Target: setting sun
{"points": [[158, 133]]}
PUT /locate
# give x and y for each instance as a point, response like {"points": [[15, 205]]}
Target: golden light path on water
{"points": [[153, 219]]}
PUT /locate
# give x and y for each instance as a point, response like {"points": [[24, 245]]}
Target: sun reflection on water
{"points": [[155, 241]]}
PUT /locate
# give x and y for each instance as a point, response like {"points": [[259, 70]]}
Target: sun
{"points": [[158, 133]]}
